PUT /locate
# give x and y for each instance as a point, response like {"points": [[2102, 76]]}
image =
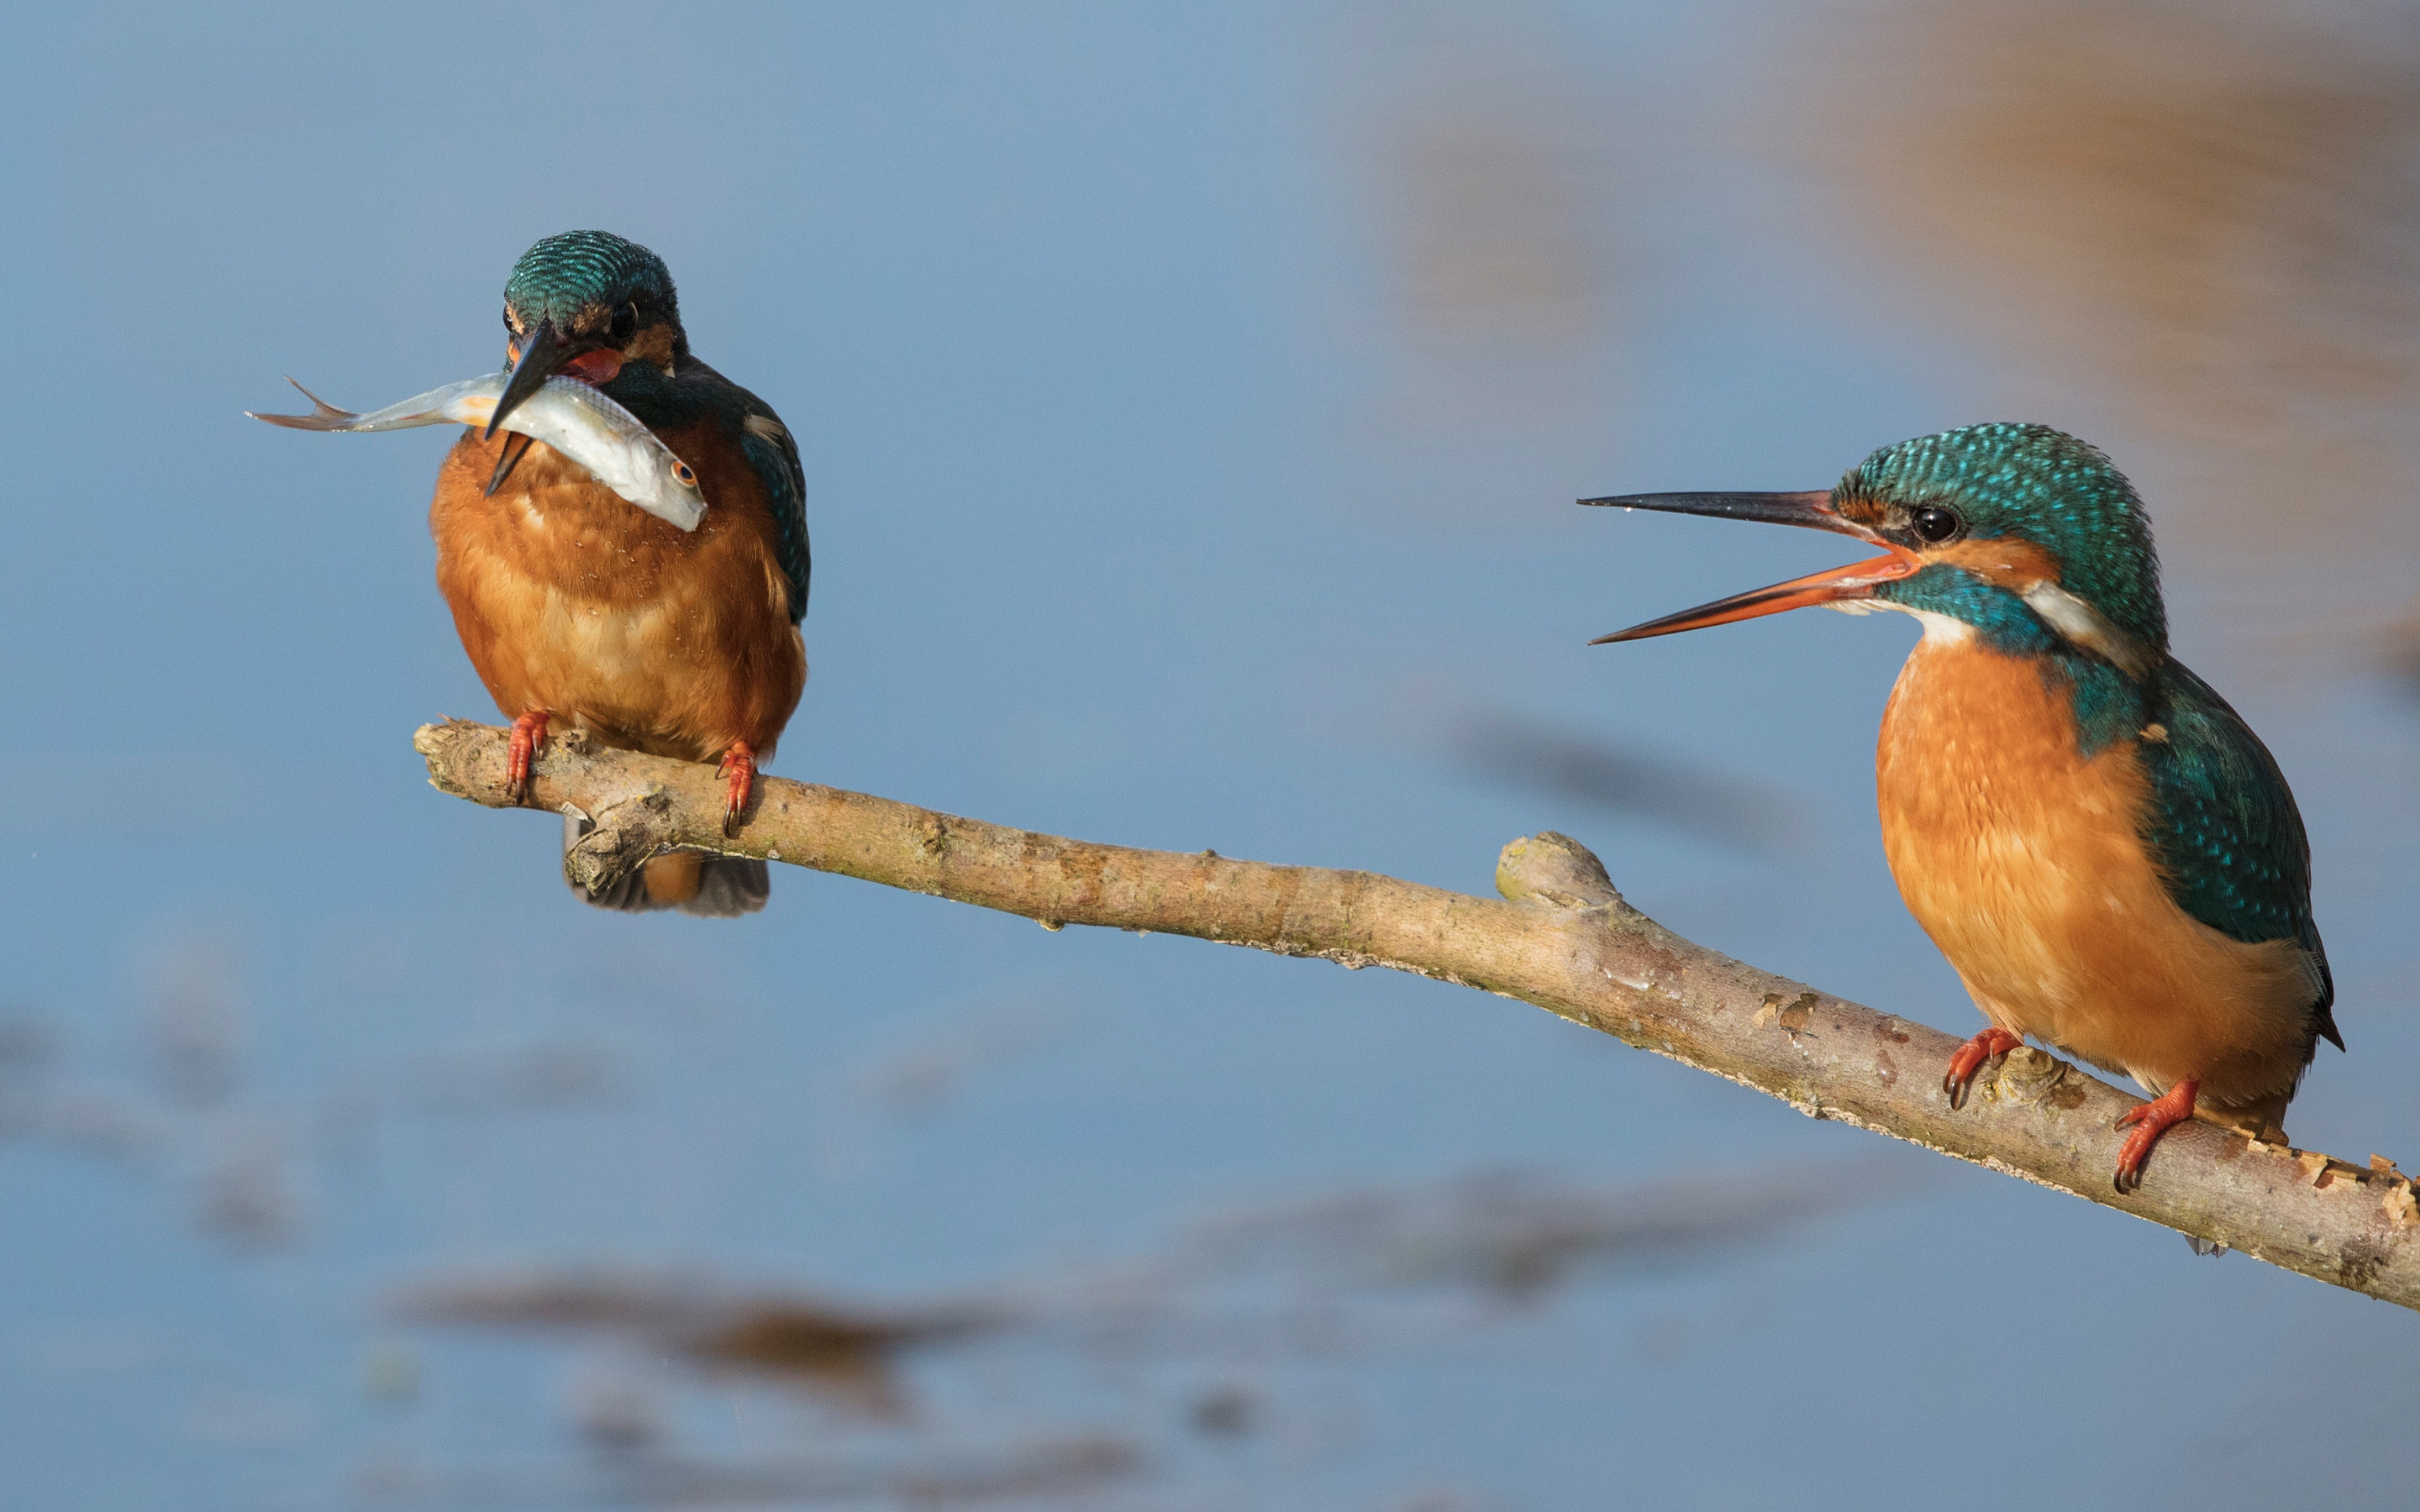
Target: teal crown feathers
{"points": [[579, 271], [2045, 487]]}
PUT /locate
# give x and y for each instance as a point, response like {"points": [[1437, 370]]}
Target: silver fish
{"points": [[575, 418]]}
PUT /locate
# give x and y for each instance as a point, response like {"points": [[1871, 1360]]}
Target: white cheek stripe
{"points": [[2087, 627], [2075, 621]]}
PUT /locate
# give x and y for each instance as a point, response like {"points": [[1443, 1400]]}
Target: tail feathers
{"points": [[695, 882], [2326, 1025]]}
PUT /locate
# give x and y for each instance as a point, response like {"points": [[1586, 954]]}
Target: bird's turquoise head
{"points": [[2028, 535], [587, 303]]}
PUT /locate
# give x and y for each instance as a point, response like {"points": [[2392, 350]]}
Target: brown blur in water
{"points": [[1520, 750], [2206, 214], [1063, 1380], [2189, 229], [844, 1354], [1482, 294], [247, 1168], [1227, 1302]]}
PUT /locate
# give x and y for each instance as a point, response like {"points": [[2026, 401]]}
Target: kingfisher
{"points": [[579, 610], [2101, 847]]}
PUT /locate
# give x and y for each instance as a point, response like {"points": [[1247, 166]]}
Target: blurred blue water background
{"points": [[1192, 399]]}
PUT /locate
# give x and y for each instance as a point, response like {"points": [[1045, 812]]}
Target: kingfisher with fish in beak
{"points": [[580, 610], [2102, 848]]}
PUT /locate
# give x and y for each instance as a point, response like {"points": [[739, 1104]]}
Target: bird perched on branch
{"points": [[2101, 846], [580, 610]]}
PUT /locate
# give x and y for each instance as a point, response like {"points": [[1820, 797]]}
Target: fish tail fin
{"points": [[323, 415]]}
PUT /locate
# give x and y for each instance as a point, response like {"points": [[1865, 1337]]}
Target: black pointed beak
{"points": [[508, 456], [1812, 511], [542, 351]]}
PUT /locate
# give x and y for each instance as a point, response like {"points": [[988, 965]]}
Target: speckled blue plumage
{"points": [[2220, 818]]}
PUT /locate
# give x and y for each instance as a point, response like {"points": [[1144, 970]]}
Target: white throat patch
{"points": [[1940, 629]]}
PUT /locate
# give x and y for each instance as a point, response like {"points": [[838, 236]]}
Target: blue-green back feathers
{"points": [[773, 452], [2223, 823]]}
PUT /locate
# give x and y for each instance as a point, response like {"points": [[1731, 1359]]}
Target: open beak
{"points": [[1813, 511], [542, 351], [508, 456]]}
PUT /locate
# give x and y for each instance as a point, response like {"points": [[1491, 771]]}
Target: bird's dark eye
{"points": [[1934, 523], [625, 324]]}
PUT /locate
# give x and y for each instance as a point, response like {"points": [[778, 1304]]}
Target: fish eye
{"points": [[1934, 524], [625, 323], [681, 471]]}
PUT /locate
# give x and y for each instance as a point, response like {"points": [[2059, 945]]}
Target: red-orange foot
{"points": [[738, 771], [529, 733], [2150, 1121], [1989, 1046]]}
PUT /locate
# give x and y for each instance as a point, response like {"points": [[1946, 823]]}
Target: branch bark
{"points": [[1561, 937]]}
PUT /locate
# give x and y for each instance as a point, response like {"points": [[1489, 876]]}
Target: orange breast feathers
{"points": [[570, 599], [2026, 863]]}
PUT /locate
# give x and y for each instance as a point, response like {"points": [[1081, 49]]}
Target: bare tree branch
{"points": [[1562, 938]]}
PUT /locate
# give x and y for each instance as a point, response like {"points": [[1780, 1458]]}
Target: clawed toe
{"points": [[738, 772], [520, 753], [2149, 1121], [1990, 1046]]}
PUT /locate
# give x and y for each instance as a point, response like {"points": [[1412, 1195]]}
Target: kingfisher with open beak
{"points": [[2101, 847], [578, 608]]}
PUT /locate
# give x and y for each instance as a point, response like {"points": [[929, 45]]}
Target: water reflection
{"points": [[2209, 214], [1482, 167], [1514, 1237], [1041, 1475], [844, 1354], [911, 1074], [1101, 1370], [243, 1166], [1563, 762]]}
